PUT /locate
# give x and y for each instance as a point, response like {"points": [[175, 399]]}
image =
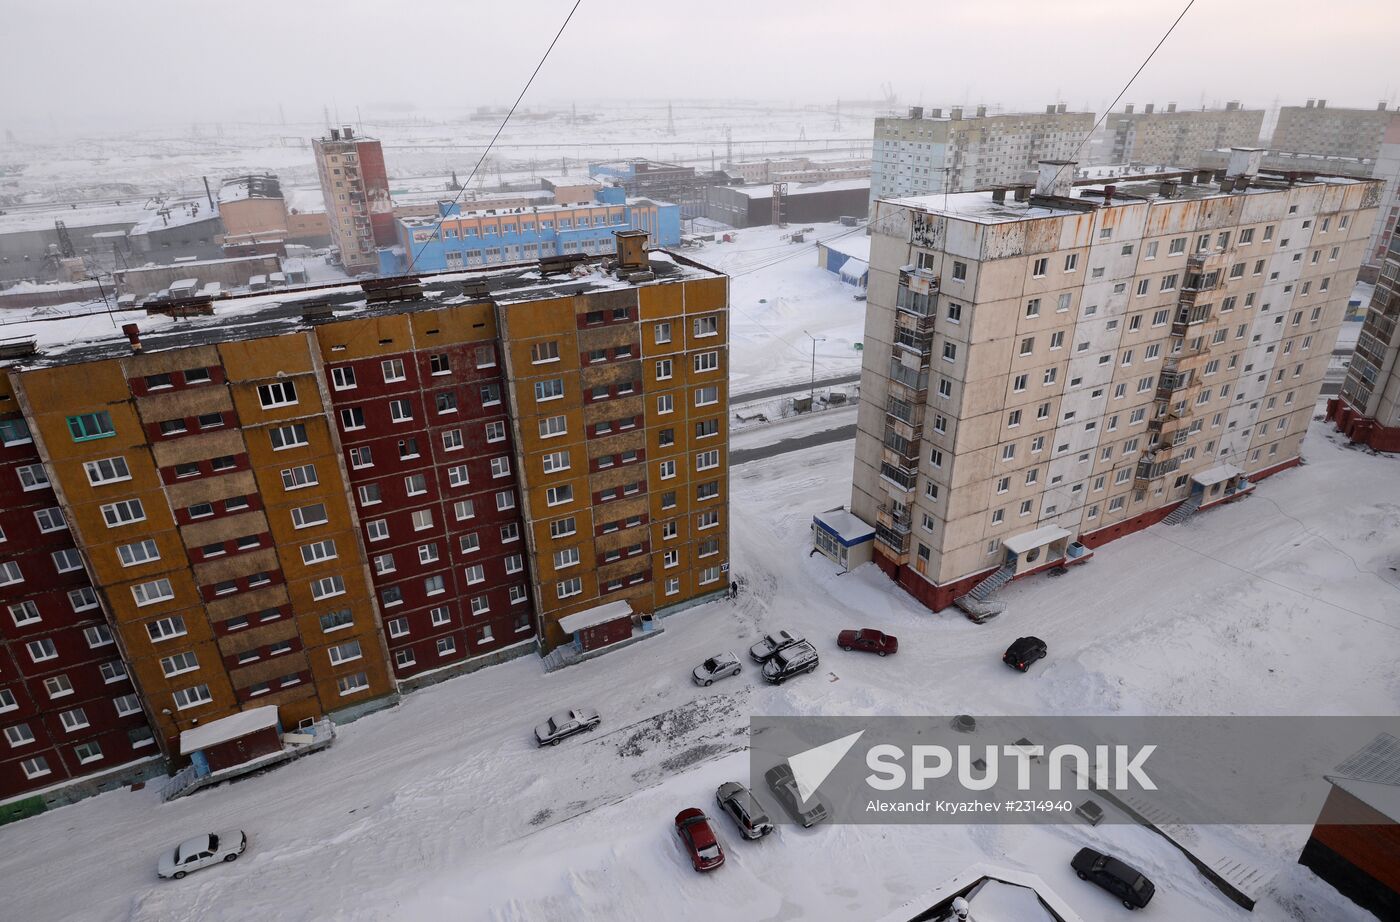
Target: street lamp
{"points": [[812, 394]]}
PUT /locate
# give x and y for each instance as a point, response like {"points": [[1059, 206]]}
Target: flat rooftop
{"points": [[63, 339], [981, 208]]}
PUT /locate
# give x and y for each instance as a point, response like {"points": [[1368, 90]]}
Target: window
{"points": [[307, 516], [666, 470], [705, 396], [19, 735], [14, 431], [108, 470], [292, 436], [343, 377], [98, 635], [318, 551], [562, 528], [422, 519], [294, 478], [706, 428], [1072, 261], [158, 590], [557, 496], [192, 697], [706, 361], [400, 411], [138, 552], [32, 477], [351, 684], [178, 663], [569, 587], [344, 653], [665, 403], [490, 394], [551, 426], [277, 394], [393, 370], [1040, 267], [328, 586], [50, 520], [954, 312], [88, 426], [707, 459], [705, 326]]}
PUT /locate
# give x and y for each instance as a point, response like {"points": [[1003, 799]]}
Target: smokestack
{"points": [[1149, 107], [1056, 177], [133, 336]]}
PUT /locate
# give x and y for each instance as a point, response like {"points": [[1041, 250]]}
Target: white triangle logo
{"points": [[810, 768]]}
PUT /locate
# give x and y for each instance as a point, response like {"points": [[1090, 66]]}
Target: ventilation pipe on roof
{"points": [[999, 196], [133, 336], [1056, 177], [1023, 193], [1244, 161], [1380, 106]]}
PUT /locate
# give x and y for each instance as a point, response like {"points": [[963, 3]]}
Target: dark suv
{"points": [[1124, 881], [790, 661], [1023, 652]]}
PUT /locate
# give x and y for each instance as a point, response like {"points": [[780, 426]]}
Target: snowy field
{"points": [[442, 808]]}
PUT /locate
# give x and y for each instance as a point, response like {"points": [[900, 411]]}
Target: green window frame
{"points": [[88, 426]]}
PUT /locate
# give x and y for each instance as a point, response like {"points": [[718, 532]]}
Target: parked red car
{"points": [[869, 640], [694, 828]]}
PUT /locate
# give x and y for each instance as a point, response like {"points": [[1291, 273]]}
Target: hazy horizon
{"points": [[270, 62]]}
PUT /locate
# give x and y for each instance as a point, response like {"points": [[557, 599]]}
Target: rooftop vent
{"points": [[551, 265], [476, 288], [17, 347], [1056, 177], [981, 111], [1023, 193], [632, 251], [1380, 106], [335, 134], [935, 113], [200, 306], [955, 113], [391, 288], [317, 310], [1244, 161], [1168, 188], [1128, 109], [916, 111], [1060, 109], [133, 336], [1050, 109], [1232, 106], [1149, 107], [1311, 103], [999, 195], [1322, 104], [347, 132], [1171, 107]]}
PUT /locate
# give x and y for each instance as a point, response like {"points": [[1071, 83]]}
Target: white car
{"points": [[202, 851], [565, 724], [719, 666]]}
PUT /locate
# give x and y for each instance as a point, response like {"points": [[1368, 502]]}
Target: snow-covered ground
{"points": [[442, 808]]}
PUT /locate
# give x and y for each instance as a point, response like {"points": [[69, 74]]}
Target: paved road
{"points": [[795, 388], [796, 443]]}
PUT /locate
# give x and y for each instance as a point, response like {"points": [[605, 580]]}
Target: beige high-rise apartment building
{"points": [[1333, 132], [355, 186], [928, 152], [1049, 371], [1172, 137]]}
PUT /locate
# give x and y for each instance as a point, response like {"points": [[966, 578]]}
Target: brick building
{"points": [[317, 500]]}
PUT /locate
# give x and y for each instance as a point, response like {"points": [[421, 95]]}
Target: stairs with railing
{"points": [[975, 602], [1184, 511]]}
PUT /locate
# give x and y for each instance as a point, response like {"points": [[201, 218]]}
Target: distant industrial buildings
{"points": [[787, 203], [457, 239], [797, 169], [929, 152], [1176, 138], [355, 187], [1046, 371]]}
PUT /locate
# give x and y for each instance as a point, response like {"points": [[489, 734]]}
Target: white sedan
{"points": [[202, 851], [565, 724], [716, 667]]}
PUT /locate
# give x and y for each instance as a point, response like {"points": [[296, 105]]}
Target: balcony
{"points": [[901, 478], [894, 519], [921, 344], [918, 281], [913, 390], [910, 414], [900, 452]]}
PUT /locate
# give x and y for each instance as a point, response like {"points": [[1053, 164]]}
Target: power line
{"points": [[1113, 105], [437, 228]]}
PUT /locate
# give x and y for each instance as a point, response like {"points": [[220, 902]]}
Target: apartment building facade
{"points": [[1368, 408], [1169, 137], [927, 152], [318, 500], [1044, 375], [355, 188]]}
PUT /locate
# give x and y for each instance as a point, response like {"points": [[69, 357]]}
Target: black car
{"points": [[791, 660], [1023, 652], [1123, 881]]}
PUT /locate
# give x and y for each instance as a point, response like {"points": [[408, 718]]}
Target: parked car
{"points": [[748, 814], [784, 787], [716, 667], [790, 661], [763, 651], [694, 828], [1122, 880], [868, 640], [202, 851], [564, 725], [1023, 652]]}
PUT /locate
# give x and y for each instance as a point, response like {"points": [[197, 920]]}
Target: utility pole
{"points": [[812, 392]]}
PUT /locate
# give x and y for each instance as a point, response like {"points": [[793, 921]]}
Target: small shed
{"points": [[847, 257], [1220, 482], [233, 740], [843, 538], [1036, 548], [600, 625]]}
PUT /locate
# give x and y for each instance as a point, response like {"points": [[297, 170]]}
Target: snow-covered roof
{"points": [[598, 614], [997, 901], [805, 188], [846, 527], [228, 728], [1046, 902], [856, 245], [853, 270], [1218, 474], [1026, 540]]}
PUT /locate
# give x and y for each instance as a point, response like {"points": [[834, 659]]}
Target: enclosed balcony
{"points": [[902, 478], [910, 414], [918, 281], [895, 518]]}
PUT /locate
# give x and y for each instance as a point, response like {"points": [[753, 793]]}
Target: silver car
{"points": [[748, 814], [565, 724], [764, 650], [720, 666], [202, 851]]}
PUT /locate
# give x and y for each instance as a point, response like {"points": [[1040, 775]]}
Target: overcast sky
{"points": [[105, 63]]}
